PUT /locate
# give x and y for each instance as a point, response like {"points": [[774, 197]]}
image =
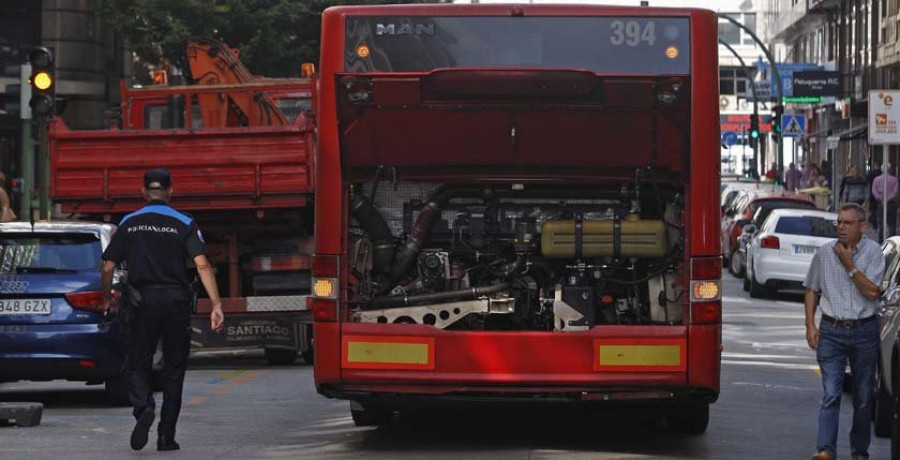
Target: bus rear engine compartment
{"points": [[507, 256]]}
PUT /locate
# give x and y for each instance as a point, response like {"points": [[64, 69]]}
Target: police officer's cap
{"points": [[157, 179]]}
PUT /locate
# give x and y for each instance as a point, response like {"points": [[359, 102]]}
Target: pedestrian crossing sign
{"points": [[793, 125]]}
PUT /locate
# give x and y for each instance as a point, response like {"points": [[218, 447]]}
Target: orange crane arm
{"points": [[213, 63]]}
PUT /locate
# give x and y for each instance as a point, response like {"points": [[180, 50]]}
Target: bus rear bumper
{"points": [[400, 395]]}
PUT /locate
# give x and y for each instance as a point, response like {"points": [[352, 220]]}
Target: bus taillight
{"points": [[325, 288], [706, 290]]}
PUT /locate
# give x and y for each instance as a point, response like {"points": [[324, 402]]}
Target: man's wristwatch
{"points": [[852, 272]]}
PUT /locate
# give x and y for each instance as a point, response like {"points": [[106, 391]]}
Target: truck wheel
{"points": [[692, 419], [281, 356], [309, 355], [115, 391], [370, 414]]}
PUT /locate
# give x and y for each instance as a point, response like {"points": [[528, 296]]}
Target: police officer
{"points": [[157, 242]]}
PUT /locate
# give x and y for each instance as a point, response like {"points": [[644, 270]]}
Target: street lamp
{"points": [[778, 83]]}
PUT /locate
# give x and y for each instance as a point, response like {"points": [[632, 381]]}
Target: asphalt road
{"points": [[238, 407]]}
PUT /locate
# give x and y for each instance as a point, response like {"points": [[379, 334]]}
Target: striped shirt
{"points": [[839, 296]]}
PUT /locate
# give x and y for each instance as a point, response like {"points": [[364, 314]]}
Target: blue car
{"points": [[52, 324]]}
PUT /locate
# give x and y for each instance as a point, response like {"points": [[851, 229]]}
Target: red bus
{"points": [[518, 203]]}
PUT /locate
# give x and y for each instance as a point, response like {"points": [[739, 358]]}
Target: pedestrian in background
{"points": [[772, 173], [805, 172], [6, 212], [854, 188], [157, 242], [812, 177], [843, 279], [792, 178], [870, 177], [889, 197]]}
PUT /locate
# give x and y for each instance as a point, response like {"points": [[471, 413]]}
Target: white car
{"points": [[781, 252]]}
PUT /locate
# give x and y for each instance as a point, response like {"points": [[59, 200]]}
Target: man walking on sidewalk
{"points": [[843, 278], [878, 190]]}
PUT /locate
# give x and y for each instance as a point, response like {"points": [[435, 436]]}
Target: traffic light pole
{"points": [[755, 115], [44, 167], [778, 83], [27, 152], [27, 162]]}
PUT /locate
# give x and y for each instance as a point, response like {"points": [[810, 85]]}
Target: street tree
{"points": [[274, 36]]}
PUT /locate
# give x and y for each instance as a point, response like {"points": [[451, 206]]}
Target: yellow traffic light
{"points": [[42, 81]]}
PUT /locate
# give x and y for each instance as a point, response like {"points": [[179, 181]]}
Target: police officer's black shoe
{"points": [[142, 428], [167, 443]]}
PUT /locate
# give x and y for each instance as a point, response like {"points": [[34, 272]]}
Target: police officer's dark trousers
{"points": [[165, 314]]}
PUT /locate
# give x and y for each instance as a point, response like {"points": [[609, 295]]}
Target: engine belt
{"points": [[579, 235], [617, 238]]}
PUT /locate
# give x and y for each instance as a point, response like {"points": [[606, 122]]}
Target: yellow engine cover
{"points": [[638, 238]]}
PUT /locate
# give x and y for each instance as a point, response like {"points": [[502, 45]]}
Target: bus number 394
{"points": [[632, 34]]}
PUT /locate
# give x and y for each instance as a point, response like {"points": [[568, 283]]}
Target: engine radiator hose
{"points": [[437, 297], [371, 220], [417, 238]]}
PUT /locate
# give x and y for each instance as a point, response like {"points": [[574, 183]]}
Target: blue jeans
{"points": [[859, 345]]}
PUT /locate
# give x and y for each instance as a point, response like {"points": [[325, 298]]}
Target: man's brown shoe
{"points": [[822, 455]]}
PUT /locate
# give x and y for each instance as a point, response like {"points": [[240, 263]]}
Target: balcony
{"points": [[889, 48]]}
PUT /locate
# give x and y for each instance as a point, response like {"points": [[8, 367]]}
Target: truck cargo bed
{"points": [[213, 169]]}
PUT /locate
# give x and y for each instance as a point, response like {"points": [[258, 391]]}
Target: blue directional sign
{"points": [[729, 138], [786, 72], [793, 125]]}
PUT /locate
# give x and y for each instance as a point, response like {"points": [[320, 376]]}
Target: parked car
{"points": [[51, 321], [887, 398], [732, 230], [779, 254], [739, 255], [731, 188]]}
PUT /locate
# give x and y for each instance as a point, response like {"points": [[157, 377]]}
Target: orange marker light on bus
{"points": [[324, 288], [362, 51], [672, 52]]}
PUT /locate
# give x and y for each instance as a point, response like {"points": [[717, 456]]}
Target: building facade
{"points": [[89, 60], [838, 36]]}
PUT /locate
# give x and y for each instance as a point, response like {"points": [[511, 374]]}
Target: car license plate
{"points": [[802, 249], [24, 307]]}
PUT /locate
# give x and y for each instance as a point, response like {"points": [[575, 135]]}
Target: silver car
{"points": [[888, 373]]}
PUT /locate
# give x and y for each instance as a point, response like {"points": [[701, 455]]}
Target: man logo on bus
{"points": [[404, 29]]}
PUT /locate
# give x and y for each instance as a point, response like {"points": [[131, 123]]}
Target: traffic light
{"points": [[753, 134], [754, 127], [776, 121], [43, 81]]}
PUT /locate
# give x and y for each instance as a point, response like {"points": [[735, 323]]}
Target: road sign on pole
{"points": [[729, 138], [793, 125], [763, 90], [884, 117]]}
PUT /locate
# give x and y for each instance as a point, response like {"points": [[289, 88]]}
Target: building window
{"points": [[732, 81], [734, 35]]}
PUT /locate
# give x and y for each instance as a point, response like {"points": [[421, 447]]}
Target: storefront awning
{"points": [[855, 132]]}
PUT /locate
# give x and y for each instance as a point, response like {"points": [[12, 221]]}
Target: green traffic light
{"points": [[754, 134]]}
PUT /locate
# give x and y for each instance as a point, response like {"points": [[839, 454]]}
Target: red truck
{"points": [[240, 152]]}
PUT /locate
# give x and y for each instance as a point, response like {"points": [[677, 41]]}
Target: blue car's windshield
{"points": [[49, 252]]}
